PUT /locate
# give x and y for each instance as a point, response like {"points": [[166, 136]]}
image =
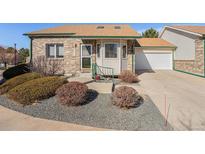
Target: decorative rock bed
{"points": [[98, 112]]}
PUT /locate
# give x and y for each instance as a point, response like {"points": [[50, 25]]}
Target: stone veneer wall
{"points": [[71, 62], [130, 55], [193, 66]]}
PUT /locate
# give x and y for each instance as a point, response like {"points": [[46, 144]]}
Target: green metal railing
{"points": [[103, 72]]}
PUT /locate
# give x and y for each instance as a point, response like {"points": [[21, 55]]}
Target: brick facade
{"points": [[193, 66], [71, 60], [71, 63]]}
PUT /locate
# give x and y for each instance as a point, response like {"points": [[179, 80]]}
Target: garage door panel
{"points": [[155, 61]]}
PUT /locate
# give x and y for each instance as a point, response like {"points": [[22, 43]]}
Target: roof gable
{"points": [[194, 30]]}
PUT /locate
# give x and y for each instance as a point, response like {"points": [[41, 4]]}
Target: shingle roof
{"points": [[89, 30], [154, 42], [194, 29]]}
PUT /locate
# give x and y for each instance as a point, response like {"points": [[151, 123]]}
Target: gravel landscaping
{"points": [[98, 112]]}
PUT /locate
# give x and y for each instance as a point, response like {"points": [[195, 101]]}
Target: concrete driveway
{"points": [[184, 93]]}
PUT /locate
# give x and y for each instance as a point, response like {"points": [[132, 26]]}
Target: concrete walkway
{"points": [[100, 87], [184, 93], [15, 121]]}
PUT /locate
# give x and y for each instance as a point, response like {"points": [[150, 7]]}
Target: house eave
{"points": [[157, 47], [71, 35]]}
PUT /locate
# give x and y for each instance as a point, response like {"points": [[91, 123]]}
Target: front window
{"points": [[54, 50], [86, 50], [50, 50], [98, 50], [110, 50], [59, 50]]}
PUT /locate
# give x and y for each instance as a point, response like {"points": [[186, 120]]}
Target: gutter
{"points": [[156, 47], [71, 35], [45, 34]]}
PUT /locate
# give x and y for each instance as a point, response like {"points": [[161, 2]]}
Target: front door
{"points": [[86, 56]]}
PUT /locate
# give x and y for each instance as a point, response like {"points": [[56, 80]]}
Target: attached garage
{"points": [[154, 54]]}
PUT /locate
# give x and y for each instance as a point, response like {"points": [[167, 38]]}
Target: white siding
{"points": [[185, 44], [116, 63], [124, 64]]}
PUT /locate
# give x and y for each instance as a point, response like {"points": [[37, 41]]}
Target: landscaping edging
{"points": [[98, 113]]}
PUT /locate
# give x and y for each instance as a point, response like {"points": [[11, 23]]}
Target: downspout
{"points": [[102, 51], [173, 64], [120, 59], [133, 61], [204, 57], [133, 57]]}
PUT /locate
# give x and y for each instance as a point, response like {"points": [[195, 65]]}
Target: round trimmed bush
{"points": [[36, 90], [11, 83], [126, 97], [72, 93], [128, 76], [16, 70]]}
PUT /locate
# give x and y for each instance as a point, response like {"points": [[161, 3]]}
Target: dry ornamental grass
{"points": [[126, 97], [72, 93], [128, 76]]}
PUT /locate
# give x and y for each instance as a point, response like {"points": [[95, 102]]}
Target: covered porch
{"points": [[108, 55]]}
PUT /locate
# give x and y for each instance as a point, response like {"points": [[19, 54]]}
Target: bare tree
{"points": [[55, 66], [47, 66], [6, 56], [2, 56]]}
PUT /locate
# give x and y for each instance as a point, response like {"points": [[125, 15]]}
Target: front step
{"points": [[86, 75]]}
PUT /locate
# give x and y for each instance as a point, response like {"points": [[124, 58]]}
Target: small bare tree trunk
{"points": [[46, 66]]}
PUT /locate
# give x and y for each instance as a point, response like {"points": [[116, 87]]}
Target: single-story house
{"points": [[120, 47], [189, 56], [80, 46]]}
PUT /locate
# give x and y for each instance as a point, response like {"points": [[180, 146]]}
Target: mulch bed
{"points": [[99, 112]]}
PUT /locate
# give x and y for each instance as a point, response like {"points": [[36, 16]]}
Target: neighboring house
{"points": [[80, 46], [189, 55]]}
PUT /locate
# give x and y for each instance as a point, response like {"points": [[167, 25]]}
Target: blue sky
{"points": [[13, 33]]}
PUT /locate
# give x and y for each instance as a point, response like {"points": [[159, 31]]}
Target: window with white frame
{"points": [[86, 53], [124, 51], [54, 50], [111, 50], [98, 50]]}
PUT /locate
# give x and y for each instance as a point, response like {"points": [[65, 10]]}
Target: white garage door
{"points": [[154, 61]]}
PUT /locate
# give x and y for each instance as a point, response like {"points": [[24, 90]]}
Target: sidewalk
{"points": [[14, 121]]}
